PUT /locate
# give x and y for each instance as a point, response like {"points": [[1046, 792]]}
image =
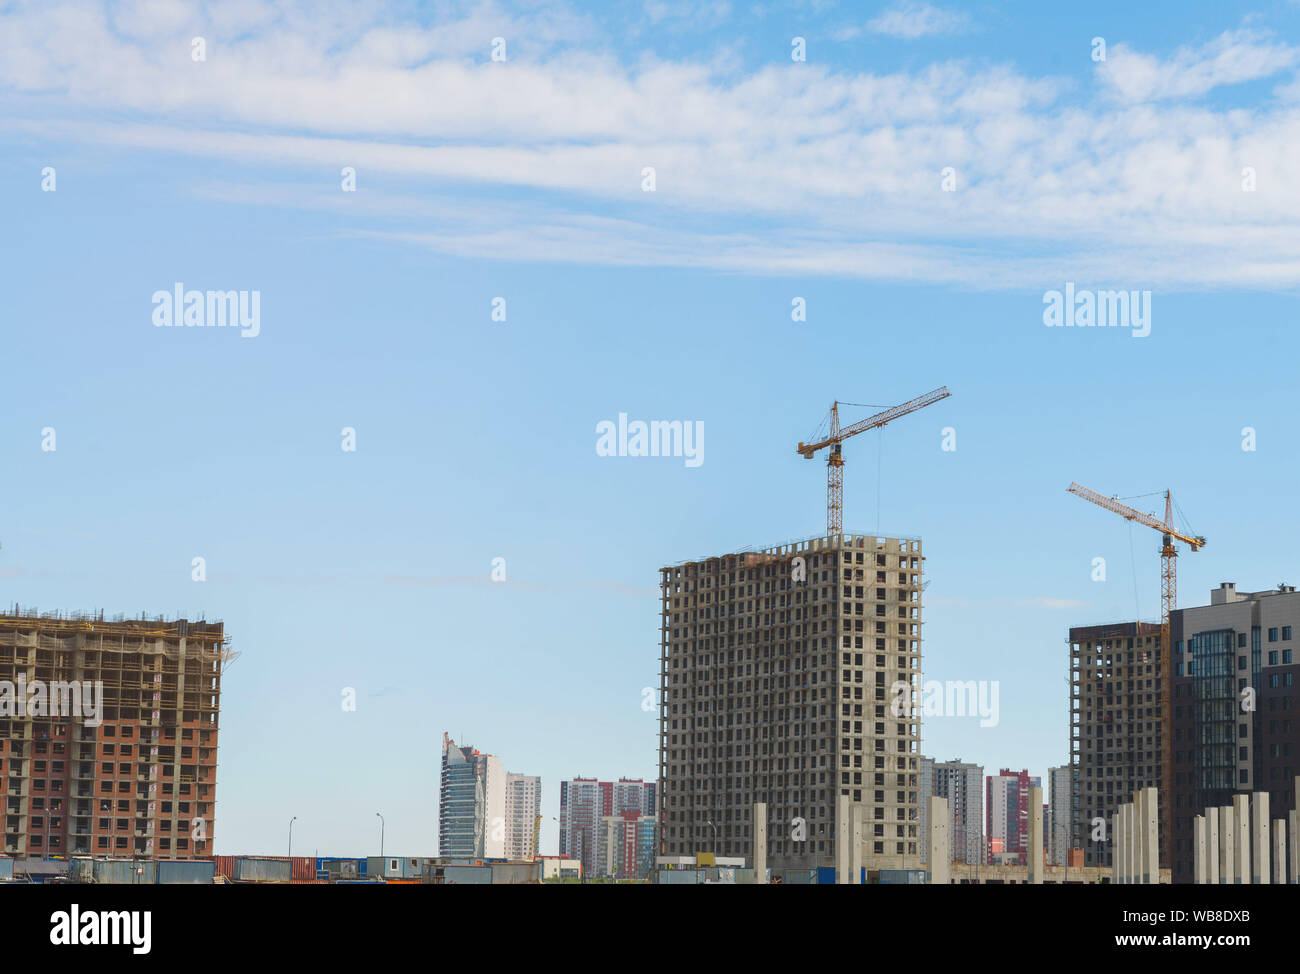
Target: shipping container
{"points": [[225, 866], [825, 875], [902, 877], [6, 869], [511, 873], [677, 877], [395, 867], [304, 867], [799, 877], [467, 875], [339, 869], [251, 870], [186, 872], [82, 870], [41, 869], [126, 872]]}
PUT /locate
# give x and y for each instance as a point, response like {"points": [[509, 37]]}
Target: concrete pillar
{"points": [[1134, 842], [1199, 870], [760, 842], [1150, 836], [858, 827], [1126, 844], [1114, 849], [1227, 843], [1293, 847], [1212, 846], [1279, 852], [1118, 843], [1139, 835], [843, 835], [1241, 825], [940, 850], [1035, 857], [1259, 839]]}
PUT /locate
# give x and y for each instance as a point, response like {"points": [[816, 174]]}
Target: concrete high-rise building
{"points": [[1236, 719], [108, 734], [523, 806], [471, 804], [1116, 736], [584, 802], [1059, 818], [788, 676], [1008, 814], [963, 785]]}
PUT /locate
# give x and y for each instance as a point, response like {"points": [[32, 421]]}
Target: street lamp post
{"points": [[291, 821], [381, 834]]}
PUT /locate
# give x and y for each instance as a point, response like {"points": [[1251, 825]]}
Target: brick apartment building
{"points": [[108, 735]]}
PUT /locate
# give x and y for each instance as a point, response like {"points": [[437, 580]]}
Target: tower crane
{"points": [[1168, 602], [835, 458]]}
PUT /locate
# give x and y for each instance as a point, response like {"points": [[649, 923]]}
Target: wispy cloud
{"points": [[1231, 58], [908, 21], [786, 169]]}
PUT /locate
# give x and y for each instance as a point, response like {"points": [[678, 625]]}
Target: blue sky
{"points": [[476, 439]]}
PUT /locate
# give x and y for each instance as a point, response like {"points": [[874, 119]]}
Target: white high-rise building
{"points": [[494, 843], [1060, 815], [472, 804], [963, 785], [523, 805]]}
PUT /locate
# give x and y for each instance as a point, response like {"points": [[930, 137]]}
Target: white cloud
{"points": [[1231, 58], [792, 169], [909, 21]]}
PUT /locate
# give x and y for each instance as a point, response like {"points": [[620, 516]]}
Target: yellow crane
{"points": [[835, 458], [1168, 602]]}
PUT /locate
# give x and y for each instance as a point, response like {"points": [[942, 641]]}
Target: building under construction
{"points": [[1116, 725], [108, 734], [779, 683]]}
